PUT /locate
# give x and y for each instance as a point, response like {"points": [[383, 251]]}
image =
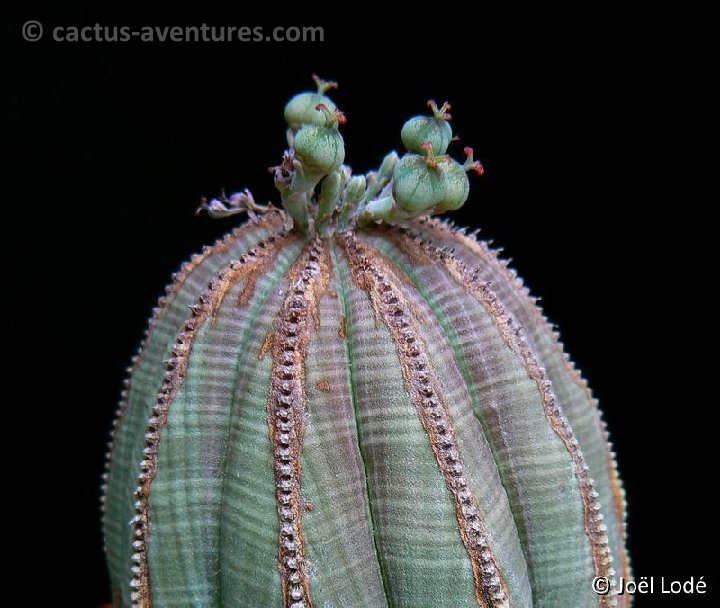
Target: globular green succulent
{"points": [[345, 402]]}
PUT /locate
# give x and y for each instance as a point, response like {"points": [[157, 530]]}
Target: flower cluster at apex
{"points": [[322, 196]]}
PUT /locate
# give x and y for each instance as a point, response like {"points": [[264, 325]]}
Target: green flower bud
{"points": [[302, 109], [417, 184], [388, 165], [355, 189], [320, 149], [422, 129], [456, 184], [379, 209], [434, 129]]}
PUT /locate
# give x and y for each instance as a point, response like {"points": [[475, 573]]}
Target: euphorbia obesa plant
{"points": [[345, 403]]}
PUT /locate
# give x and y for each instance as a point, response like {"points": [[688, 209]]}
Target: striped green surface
{"points": [[423, 559], [481, 469], [338, 530], [572, 393], [382, 529], [145, 382], [535, 467], [214, 472]]}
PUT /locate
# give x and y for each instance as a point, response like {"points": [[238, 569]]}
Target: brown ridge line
{"points": [[373, 275], [287, 408], [442, 229], [179, 278], [259, 256], [514, 337], [342, 330], [270, 220], [488, 255]]}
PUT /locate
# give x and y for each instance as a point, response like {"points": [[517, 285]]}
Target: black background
{"points": [[595, 129]]}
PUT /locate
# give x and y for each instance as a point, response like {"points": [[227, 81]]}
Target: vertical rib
{"points": [[513, 336], [422, 384], [221, 247], [576, 398], [287, 409], [339, 531], [225, 387], [145, 376], [176, 371]]}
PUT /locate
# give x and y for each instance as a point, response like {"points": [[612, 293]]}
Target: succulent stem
{"points": [[353, 418]]}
